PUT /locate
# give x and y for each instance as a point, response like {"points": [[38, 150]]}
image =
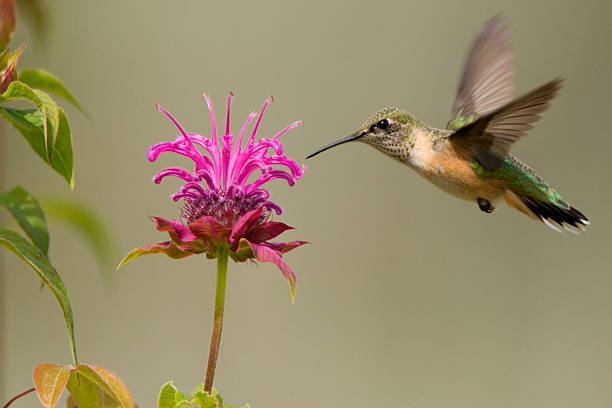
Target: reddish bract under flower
{"points": [[229, 208]]}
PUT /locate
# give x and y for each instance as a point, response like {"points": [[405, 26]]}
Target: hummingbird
{"points": [[470, 158]]}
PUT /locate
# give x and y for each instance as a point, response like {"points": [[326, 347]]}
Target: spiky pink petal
{"points": [[261, 112], [173, 171]]}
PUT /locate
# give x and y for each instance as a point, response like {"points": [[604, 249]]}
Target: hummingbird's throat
{"points": [[392, 147]]}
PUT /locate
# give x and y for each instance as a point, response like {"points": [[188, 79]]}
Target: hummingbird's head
{"points": [[389, 130]]}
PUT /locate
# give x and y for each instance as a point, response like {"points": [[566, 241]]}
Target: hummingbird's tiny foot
{"points": [[485, 205]]}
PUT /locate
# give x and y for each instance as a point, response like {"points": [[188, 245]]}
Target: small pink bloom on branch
{"points": [[8, 66]]}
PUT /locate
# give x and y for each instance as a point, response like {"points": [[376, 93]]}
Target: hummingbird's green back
{"points": [[521, 179]]}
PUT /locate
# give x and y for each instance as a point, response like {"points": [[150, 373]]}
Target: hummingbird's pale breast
{"points": [[438, 162]]}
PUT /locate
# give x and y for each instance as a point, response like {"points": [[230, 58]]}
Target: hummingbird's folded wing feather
{"points": [[490, 137], [487, 82]]}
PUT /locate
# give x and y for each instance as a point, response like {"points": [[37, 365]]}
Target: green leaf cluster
{"points": [[46, 127], [90, 386], [171, 397]]}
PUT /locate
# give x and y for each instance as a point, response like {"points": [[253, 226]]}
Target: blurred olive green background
{"points": [[407, 296]]}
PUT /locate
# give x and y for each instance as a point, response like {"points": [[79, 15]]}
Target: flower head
{"points": [[225, 204]]}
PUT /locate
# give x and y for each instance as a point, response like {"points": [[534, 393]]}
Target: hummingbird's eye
{"points": [[382, 124]]}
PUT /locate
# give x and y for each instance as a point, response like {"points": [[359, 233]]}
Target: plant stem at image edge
{"points": [[215, 339]]}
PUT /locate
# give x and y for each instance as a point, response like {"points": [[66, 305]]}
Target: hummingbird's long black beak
{"points": [[336, 143]]}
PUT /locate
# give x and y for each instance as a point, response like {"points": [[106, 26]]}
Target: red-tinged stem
{"points": [[16, 397], [215, 339]]}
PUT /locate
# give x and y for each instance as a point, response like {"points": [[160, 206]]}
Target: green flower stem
{"points": [[215, 339]]}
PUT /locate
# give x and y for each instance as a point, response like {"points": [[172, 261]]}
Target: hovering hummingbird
{"points": [[470, 159]]}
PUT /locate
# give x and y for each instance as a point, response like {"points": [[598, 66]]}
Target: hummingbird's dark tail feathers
{"points": [[555, 216]]}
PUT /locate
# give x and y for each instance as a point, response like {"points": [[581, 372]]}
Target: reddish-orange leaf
{"points": [[49, 381]]}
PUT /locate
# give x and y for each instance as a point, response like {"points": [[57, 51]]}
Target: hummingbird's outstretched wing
{"points": [[487, 82], [489, 138]]}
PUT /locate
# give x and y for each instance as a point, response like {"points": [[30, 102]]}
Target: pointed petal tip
{"points": [[125, 260], [292, 287], [209, 104], [20, 50]]}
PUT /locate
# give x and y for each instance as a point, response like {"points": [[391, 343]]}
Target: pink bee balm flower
{"points": [[225, 206]]}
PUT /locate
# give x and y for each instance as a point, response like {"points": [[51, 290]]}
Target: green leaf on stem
{"points": [[28, 213], [86, 393], [46, 106], [206, 400], [171, 397], [111, 391], [62, 155], [49, 381], [47, 130], [86, 221], [34, 257], [45, 80], [30, 123]]}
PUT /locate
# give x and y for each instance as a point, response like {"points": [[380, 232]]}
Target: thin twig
{"points": [[18, 396]]}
